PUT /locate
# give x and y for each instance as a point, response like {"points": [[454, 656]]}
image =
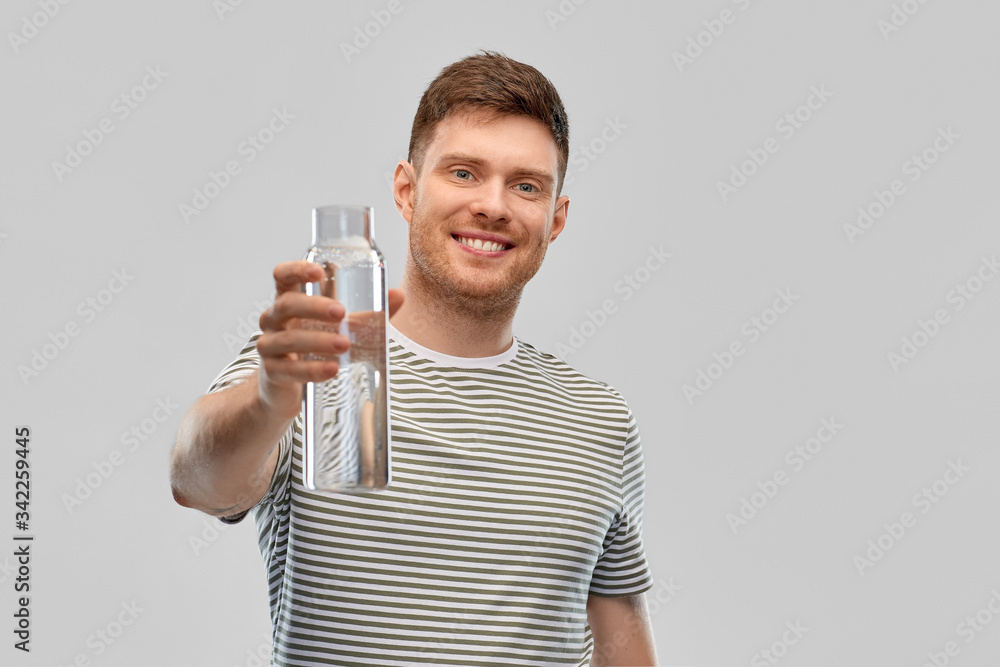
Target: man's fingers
{"points": [[290, 305], [277, 344], [285, 371], [290, 276]]}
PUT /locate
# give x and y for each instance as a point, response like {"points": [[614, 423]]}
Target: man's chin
{"points": [[484, 296], [483, 292]]}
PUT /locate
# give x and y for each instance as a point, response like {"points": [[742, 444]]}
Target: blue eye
{"points": [[527, 187], [462, 174]]}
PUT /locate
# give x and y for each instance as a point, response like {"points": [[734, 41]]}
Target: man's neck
{"points": [[441, 327]]}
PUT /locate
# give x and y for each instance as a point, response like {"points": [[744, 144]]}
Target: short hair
{"points": [[500, 86]]}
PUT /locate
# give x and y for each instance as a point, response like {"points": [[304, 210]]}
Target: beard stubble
{"points": [[492, 294]]}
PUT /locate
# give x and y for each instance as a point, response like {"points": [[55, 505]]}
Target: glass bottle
{"points": [[346, 426]]}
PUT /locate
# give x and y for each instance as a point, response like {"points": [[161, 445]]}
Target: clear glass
{"points": [[346, 444]]}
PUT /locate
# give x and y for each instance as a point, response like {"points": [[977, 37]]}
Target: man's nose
{"points": [[490, 202]]}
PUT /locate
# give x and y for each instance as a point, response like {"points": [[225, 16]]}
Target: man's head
{"points": [[482, 197], [495, 86]]}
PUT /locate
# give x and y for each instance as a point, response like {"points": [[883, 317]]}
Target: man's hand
{"points": [[226, 449], [287, 340]]}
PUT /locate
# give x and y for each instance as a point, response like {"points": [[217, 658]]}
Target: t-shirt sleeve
{"points": [[236, 372], [622, 568]]}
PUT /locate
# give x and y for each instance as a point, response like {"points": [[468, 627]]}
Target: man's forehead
{"points": [[510, 134]]}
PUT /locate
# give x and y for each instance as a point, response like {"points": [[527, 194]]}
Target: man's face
{"points": [[483, 209]]}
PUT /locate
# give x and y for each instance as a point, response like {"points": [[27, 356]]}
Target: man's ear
{"points": [[404, 182], [559, 217]]}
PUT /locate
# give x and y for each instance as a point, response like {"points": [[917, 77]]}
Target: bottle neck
{"points": [[342, 225]]}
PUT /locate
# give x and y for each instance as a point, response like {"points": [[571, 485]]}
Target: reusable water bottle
{"points": [[346, 426]]}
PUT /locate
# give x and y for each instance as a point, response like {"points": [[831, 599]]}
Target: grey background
{"points": [[721, 597]]}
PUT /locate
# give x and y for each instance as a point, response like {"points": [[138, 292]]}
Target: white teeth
{"points": [[479, 244]]}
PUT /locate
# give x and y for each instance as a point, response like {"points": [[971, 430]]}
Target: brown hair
{"points": [[491, 82]]}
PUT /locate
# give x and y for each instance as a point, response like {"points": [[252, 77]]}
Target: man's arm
{"points": [[226, 448], [621, 630], [226, 451]]}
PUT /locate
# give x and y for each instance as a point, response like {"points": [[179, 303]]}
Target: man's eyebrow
{"points": [[461, 157], [541, 175]]}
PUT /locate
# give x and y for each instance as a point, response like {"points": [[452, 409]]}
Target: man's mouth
{"points": [[481, 244]]}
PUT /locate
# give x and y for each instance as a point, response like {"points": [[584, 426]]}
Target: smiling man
{"points": [[511, 533]]}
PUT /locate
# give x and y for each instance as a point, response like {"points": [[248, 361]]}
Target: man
{"points": [[511, 531]]}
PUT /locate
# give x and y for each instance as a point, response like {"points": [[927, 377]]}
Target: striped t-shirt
{"points": [[517, 491]]}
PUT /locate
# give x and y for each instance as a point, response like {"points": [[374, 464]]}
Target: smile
{"points": [[480, 244]]}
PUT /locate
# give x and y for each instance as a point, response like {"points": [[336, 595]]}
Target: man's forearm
{"points": [[621, 631], [225, 452]]}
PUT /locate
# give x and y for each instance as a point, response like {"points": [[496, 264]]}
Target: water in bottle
{"points": [[346, 419]]}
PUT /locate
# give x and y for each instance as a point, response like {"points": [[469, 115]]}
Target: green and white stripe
{"points": [[517, 488]]}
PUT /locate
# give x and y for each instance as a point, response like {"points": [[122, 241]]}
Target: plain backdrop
{"points": [[817, 394]]}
